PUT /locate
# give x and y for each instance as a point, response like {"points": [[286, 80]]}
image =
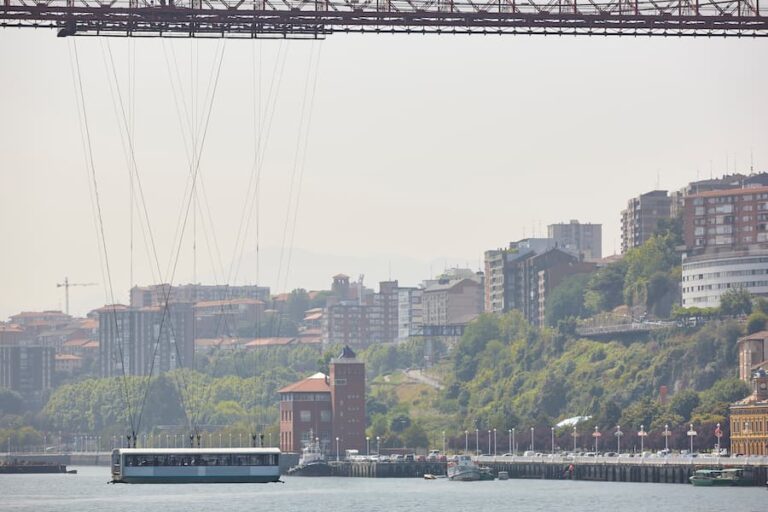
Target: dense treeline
{"points": [[507, 373]]}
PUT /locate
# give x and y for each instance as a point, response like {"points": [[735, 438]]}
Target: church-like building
{"points": [[327, 408]]}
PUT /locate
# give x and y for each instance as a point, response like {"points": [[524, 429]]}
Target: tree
{"points": [[684, 402], [298, 304], [660, 294], [415, 436], [567, 299], [400, 423], [605, 290], [756, 322], [736, 301], [657, 254]]}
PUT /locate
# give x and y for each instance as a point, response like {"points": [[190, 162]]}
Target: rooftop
{"points": [[731, 192], [317, 383]]}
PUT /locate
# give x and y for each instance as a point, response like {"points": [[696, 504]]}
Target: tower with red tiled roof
{"points": [[306, 413]]}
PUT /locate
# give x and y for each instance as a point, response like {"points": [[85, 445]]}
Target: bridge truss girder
{"points": [[316, 19]]}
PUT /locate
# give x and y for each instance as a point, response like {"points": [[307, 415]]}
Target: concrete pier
{"points": [[597, 470], [387, 469], [629, 470]]}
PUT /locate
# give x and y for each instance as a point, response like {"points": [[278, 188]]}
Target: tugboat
{"points": [[312, 462]]}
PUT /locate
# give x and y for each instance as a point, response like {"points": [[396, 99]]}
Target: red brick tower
{"points": [[348, 398]]}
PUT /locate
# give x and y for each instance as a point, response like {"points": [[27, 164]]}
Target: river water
{"points": [[88, 491]]}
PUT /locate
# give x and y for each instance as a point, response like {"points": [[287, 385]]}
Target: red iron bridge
{"points": [[319, 18]]}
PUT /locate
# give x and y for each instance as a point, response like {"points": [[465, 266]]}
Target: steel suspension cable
{"points": [[97, 201]]}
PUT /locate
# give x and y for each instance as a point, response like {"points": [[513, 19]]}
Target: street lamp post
{"points": [[514, 445], [532, 444], [367, 446], [489, 441], [642, 434], [552, 432], [618, 435], [666, 435], [378, 445], [575, 435], [443, 442], [337, 449], [718, 435], [495, 446], [691, 434], [510, 440], [477, 441], [596, 434], [466, 441]]}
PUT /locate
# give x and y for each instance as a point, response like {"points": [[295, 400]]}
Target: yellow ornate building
{"points": [[749, 419]]}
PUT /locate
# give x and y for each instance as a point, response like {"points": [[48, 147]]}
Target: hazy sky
{"points": [[422, 151]]}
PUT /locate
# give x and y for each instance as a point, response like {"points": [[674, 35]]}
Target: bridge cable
{"points": [[297, 174], [96, 203], [185, 221], [133, 171]]}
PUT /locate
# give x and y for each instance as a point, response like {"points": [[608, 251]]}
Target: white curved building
{"points": [[707, 276]]}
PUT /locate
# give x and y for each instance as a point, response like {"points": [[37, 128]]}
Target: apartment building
{"points": [[410, 317], [26, 368], [452, 302], [641, 217], [726, 219], [140, 340], [502, 273], [584, 240], [155, 295], [522, 276]]}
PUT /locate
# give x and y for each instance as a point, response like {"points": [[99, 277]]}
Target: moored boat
{"points": [[311, 463], [722, 477], [27, 467], [464, 469]]}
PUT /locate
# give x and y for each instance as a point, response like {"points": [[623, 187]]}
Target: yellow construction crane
{"points": [[66, 284]]}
